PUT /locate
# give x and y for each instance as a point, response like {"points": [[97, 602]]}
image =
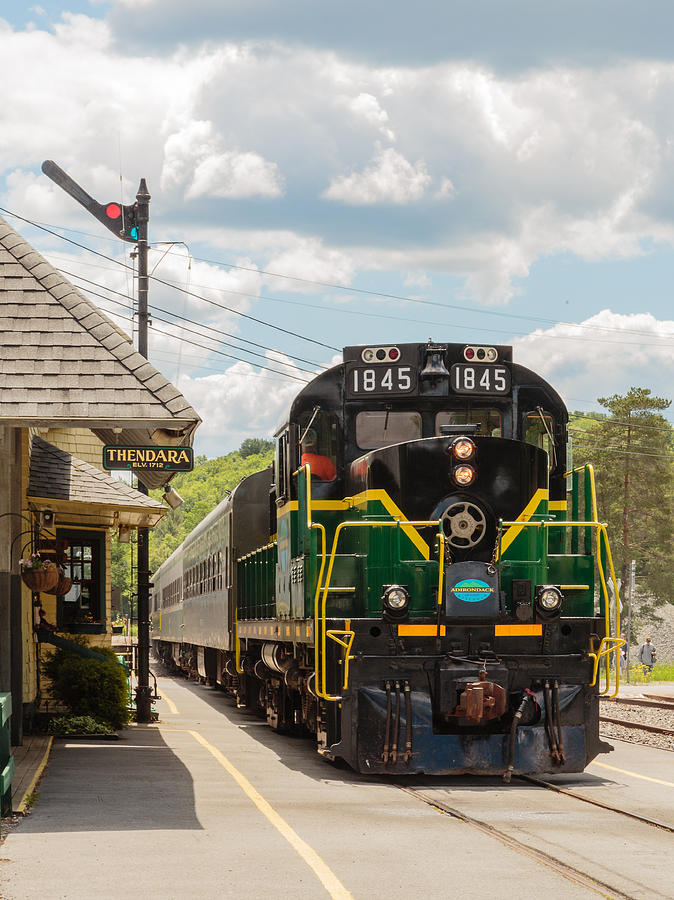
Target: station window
{"points": [[84, 604], [489, 420], [379, 428]]}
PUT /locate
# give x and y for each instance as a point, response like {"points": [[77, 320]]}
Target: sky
{"points": [[327, 174]]}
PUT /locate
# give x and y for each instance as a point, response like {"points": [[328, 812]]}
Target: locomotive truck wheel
{"points": [[464, 525]]}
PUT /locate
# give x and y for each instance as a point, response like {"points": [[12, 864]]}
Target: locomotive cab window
{"points": [[380, 428], [489, 420], [318, 444], [539, 431]]}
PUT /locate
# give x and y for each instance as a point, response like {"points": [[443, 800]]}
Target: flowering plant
{"points": [[34, 562]]}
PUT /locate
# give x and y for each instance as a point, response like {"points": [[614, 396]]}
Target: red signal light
{"points": [[113, 210], [469, 353]]}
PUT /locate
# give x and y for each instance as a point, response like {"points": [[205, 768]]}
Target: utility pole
{"points": [[143, 695], [129, 223], [630, 596]]}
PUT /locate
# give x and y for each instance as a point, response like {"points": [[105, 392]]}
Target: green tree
{"points": [[630, 449], [202, 489], [252, 446]]}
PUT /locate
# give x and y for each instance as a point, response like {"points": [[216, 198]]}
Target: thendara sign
{"points": [[170, 459]]}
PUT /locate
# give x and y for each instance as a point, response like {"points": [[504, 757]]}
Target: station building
{"points": [[71, 383]]}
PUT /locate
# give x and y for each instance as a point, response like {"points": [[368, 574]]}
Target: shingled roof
{"points": [[64, 363], [58, 477]]}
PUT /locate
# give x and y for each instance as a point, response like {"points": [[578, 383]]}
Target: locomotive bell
{"points": [[434, 377], [435, 365]]}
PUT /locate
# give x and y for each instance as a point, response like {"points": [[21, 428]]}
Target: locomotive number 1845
{"points": [[381, 380], [480, 379]]}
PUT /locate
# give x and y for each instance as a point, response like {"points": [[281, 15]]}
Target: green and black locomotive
{"points": [[420, 581]]}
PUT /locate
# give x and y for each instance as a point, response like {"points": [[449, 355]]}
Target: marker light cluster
{"points": [[463, 452], [380, 354], [480, 354]]}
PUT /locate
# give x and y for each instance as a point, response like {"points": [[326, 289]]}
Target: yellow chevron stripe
{"points": [[511, 533]]}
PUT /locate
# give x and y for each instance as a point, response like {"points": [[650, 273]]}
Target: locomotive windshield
{"points": [[380, 428], [489, 420]]}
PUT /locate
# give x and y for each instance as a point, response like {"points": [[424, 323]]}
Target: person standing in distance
{"points": [[647, 657]]}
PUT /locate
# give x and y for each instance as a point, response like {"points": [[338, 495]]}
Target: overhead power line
{"points": [[171, 285], [194, 322], [364, 291]]}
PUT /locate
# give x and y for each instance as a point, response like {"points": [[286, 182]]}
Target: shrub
{"points": [[89, 687], [78, 725]]}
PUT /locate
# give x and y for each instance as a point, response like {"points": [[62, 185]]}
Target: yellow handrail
{"points": [[601, 534], [237, 643], [326, 586], [336, 635]]}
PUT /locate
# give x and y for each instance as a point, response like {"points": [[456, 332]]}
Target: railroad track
{"points": [[648, 702], [627, 723], [525, 849], [575, 875], [593, 802]]}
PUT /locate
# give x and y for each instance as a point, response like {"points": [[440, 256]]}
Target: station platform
{"points": [[210, 803]]}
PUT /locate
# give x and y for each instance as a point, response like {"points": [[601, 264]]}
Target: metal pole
{"points": [[630, 595], [143, 693]]}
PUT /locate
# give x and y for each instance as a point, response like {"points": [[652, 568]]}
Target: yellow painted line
{"points": [[633, 774], [173, 709], [420, 630], [557, 504], [517, 630], [21, 808], [574, 587], [323, 872]]}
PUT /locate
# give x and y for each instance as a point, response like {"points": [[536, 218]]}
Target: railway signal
{"points": [[120, 219], [130, 223]]}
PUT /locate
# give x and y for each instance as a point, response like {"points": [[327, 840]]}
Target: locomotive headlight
{"points": [[463, 448], [464, 475], [549, 599], [395, 598]]}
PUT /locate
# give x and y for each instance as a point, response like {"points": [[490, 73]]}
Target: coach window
{"points": [[489, 420], [381, 428], [83, 607]]}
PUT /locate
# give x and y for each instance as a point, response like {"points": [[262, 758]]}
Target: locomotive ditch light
{"points": [[395, 601], [548, 599], [464, 475], [463, 448]]}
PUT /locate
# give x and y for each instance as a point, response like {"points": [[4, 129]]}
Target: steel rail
{"points": [[564, 869], [655, 729], [616, 809]]}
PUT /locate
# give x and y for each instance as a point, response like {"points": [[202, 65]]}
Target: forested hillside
{"points": [[202, 490]]}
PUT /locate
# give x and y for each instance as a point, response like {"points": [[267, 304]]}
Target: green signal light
{"points": [[134, 233]]}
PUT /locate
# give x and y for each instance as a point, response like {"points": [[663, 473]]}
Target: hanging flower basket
{"points": [[62, 586], [39, 574]]}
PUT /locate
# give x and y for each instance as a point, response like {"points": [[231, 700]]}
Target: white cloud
{"points": [[605, 354], [307, 258], [367, 107], [240, 402], [390, 178], [236, 175], [194, 157]]}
